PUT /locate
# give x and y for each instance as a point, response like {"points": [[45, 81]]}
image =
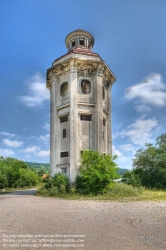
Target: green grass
{"points": [[118, 192]]}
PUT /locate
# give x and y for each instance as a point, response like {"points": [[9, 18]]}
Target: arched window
{"points": [[85, 86], [64, 89]]}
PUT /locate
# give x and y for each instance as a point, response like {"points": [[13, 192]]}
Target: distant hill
{"points": [[37, 166], [122, 171]]}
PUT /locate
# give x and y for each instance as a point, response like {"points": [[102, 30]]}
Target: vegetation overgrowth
{"points": [[16, 174], [119, 192], [95, 181], [149, 166]]}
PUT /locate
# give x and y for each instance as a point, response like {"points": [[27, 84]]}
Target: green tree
{"points": [[150, 164], [96, 172], [3, 181], [15, 173]]}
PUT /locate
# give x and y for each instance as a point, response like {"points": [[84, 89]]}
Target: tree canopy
{"points": [[150, 165], [15, 173]]}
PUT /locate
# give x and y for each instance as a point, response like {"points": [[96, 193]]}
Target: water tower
{"points": [[80, 104]]}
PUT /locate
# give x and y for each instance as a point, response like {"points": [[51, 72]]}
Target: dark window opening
{"points": [[85, 117], [64, 89], [64, 133], [85, 86], [64, 119], [104, 122], [82, 41], [73, 43], [103, 93], [64, 170], [64, 154]]}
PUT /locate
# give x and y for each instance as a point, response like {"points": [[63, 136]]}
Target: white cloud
{"points": [[32, 149], [116, 152], [7, 134], [140, 131], [37, 92], [6, 152], [35, 150], [122, 161], [127, 147], [14, 144], [43, 153], [151, 91], [45, 138], [142, 108]]}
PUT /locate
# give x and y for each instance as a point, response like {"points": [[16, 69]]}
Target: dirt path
{"points": [[48, 223]]}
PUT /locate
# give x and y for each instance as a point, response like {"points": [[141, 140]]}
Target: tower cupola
{"points": [[79, 38]]}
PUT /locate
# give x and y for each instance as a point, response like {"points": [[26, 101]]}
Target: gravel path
{"points": [[32, 222]]}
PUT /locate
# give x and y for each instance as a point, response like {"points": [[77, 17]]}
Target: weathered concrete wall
{"points": [[80, 135]]}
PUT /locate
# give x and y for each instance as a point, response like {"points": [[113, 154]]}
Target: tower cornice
{"points": [[83, 66]]}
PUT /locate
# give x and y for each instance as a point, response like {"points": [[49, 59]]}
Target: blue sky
{"points": [[129, 35]]}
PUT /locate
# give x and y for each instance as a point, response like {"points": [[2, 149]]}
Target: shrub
{"points": [[53, 191], [96, 172], [42, 191], [61, 181], [49, 183], [58, 184], [132, 179]]}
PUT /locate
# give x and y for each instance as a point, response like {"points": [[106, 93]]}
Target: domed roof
{"points": [[78, 33]]}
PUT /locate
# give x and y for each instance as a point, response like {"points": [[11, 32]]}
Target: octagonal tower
{"points": [[80, 104]]}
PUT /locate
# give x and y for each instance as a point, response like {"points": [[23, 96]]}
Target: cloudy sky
{"points": [[129, 35]]}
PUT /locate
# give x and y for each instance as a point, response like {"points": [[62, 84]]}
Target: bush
{"points": [[42, 191], [58, 184], [53, 191], [61, 181], [132, 179], [96, 172]]}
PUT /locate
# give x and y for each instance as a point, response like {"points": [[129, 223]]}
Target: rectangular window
{"points": [[82, 41], [73, 43], [64, 119], [103, 122], [64, 170], [85, 117], [64, 133], [64, 154]]}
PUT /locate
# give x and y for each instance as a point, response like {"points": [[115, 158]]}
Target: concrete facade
{"points": [[80, 104]]}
